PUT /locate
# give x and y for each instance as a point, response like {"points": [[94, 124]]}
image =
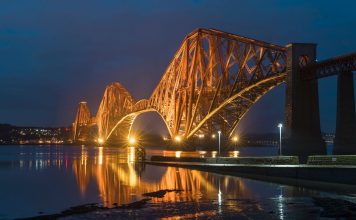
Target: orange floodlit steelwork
{"points": [[212, 81]]}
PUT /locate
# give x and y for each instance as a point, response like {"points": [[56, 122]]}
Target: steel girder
{"points": [[329, 67], [213, 79]]}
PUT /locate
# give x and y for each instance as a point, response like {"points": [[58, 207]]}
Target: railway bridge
{"points": [[215, 77]]}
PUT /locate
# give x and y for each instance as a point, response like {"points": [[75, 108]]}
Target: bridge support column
{"points": [[302, 120], [345, 136]]}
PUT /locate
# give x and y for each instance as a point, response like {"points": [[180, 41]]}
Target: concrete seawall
{"points": [[325, 177]]}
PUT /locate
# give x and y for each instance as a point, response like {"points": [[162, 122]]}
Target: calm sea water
{"points": [[38, 180]]}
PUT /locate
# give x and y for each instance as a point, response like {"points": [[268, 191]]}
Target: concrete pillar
{"points": [[302, 120], [345, 136]]}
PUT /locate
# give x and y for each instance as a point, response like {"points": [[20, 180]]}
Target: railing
{"points": [[332, 160], [178, 159], [279, 160]]}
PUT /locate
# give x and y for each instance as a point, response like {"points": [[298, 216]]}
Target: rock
{"points": [[134, 205], [160, 193]]}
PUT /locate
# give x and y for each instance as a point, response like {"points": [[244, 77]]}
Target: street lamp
{"points": [[219, 132], [280, 125]]}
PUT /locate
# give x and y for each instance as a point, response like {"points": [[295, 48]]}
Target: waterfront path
{"points": [[323, 177]]}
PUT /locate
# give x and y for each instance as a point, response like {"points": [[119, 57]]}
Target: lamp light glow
{"points": [[235, 139], [178, 139], [132, 140]]}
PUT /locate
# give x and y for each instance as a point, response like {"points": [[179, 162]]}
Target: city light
{"points": [[213, 136], [201, 136]]}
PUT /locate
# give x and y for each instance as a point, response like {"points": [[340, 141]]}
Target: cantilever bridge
{"points": [[213, 80]]}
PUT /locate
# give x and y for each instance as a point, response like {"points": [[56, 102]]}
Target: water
{"points": [[49, 179]]}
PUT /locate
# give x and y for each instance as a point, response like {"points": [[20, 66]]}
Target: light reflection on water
{"points": [[50, 179]]}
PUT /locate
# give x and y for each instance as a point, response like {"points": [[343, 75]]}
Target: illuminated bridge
{"points": [[213, 80]]}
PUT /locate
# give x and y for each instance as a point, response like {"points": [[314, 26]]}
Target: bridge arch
{"points": [[263, 87], [126, 122]]}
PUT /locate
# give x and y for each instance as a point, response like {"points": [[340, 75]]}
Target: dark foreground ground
{"points": [[156, 207]]}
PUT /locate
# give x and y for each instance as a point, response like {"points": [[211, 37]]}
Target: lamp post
{"points": [[280, 125], [219, 132]]}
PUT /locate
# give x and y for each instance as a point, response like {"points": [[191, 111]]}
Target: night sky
{"points": [[55, 54]]}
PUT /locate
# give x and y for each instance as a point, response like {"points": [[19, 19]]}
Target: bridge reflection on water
{"points": [[119, 179]]}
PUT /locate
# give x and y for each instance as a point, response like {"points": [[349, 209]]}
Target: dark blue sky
{"points": [[54, 54]]}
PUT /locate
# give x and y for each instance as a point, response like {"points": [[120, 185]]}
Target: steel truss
{"points": [[212, 81], [329, 67]]}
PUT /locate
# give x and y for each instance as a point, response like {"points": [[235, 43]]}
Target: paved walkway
{"points": [[324, 177]]}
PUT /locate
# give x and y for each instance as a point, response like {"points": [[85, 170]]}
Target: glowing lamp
{"points": [[132, 140], [235, 139], [178, 139], [100, 141]]}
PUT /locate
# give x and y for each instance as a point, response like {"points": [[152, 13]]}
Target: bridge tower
{"points": [[302, 120], [345, 136], [81, 120]]}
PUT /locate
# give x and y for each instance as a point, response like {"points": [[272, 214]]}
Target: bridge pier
{"points": [[302, 120], [345, 136]]}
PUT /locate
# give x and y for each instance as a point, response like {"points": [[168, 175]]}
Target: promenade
{"points": [[334, 177]]}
